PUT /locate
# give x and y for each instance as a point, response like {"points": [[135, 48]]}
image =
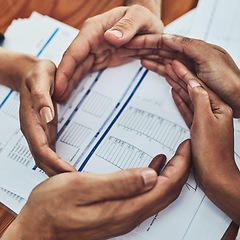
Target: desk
{"points": [[74, 12]]}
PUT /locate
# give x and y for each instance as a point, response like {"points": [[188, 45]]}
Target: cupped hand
{"points": [[212, 64], [95, 206], [212, 138], [38, 116], [95, 46]]}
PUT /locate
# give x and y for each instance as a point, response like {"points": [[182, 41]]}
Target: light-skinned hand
{"points": [[38, 116], [94, 47]]}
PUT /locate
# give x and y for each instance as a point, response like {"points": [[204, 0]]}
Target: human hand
{"points": [[212, 138], [94, 47], [38, 116], [212, 64], [92, 206]]}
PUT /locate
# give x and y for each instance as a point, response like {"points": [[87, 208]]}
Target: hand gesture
{"points": [[212, 64], [212, 139], [95, 206], [38, 116], [95, 46]]}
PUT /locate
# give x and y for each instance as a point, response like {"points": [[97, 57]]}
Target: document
{"points": [[108, 126], [116, 119]]}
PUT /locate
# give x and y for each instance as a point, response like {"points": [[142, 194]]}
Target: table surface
{"points": [[74, 13]]}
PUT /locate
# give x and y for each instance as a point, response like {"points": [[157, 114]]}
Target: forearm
{"points": [[13, 66], [153, 5]]}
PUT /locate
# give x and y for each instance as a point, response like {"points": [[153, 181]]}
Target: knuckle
{"points": [[186, 40], [200, 93], [37, 93], [89, 21], [138, 8], [130, 184], [125, 23]]}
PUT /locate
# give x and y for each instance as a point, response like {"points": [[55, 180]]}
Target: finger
{"points": [[150, 42], [186, 75], [73, 56], [183, 108], [80, 72], [171, 73], [180, 91], [192, 48], [168, 187], [171, 179], [42, 152], [119, 185], [200, 100], [40, 84], [177, 169], [154, 66], [133, 23], [144, 51], [158, 163], [35, 133]]}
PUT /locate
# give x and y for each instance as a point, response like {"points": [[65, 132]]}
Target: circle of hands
{"points": [[205, 87]]}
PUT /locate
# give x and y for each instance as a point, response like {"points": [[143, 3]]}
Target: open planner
{"points": [[115, 119]]}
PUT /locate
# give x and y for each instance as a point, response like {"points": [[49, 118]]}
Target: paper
{"points": [[114, 97], [111, 129]]}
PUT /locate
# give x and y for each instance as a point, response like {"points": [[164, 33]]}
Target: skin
{"points": [[212, 64], [153, 5], [184, 62], [93, 49], [99, 206], [95, 46], [212, 139], [123, 195], [33, 78]]}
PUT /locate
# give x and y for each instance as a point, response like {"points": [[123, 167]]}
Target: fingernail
{"points": [[168, 36], [117, 33], [194, 83], [149, 177], [46, 114]]}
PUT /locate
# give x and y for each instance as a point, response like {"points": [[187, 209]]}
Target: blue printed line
{"points": [[79, 104], [6, 98], [48, 41], [112, 123], [110, 115]]}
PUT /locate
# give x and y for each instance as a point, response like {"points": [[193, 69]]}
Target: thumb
{"points": [[120, 185], [203, 99], [133, 23], [41, 86], [200, 100]]}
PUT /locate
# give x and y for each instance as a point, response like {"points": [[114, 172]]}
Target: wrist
{"points": [[221, 186], [153, 5], [28, 225], [13, 68]]}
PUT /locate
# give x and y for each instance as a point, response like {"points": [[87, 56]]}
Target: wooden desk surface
{"points": [[74, 12]]}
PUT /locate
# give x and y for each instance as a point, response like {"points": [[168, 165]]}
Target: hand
{"points": [[39, 117], [94, 47], [212, 64], [92, 206], [211, 124]]}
